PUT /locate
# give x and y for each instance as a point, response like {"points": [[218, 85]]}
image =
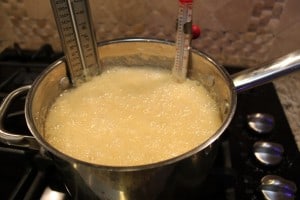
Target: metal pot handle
{"points": [[11, 138], [253, 77]]}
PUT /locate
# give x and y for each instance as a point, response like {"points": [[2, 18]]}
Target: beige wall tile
{"points": [[235, 32]]}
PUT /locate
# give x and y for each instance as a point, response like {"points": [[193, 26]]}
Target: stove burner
{"points": [[13, 55], [241, 170], [20, 67]]}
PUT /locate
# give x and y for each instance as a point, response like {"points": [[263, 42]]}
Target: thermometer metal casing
{"points": [[77, 36], [183, 40]]}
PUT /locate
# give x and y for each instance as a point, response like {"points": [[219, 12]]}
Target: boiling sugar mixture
{"points": [[131, 116]]}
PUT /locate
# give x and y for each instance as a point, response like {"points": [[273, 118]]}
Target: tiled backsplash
{"points": [[235, 32]]}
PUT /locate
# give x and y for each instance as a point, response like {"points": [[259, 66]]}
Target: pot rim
{"points": [[207, 143]]}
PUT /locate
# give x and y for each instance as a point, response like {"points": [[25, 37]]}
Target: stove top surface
{"points": [[237, 173]]}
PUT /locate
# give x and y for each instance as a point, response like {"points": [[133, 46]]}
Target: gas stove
{"points": [[257, 159]]}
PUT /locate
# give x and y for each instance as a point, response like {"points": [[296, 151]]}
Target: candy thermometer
{"points": [[183, 40], [77, 36]]}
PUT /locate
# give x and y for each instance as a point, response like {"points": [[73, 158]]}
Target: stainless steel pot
{"points": [[147, 181]]}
